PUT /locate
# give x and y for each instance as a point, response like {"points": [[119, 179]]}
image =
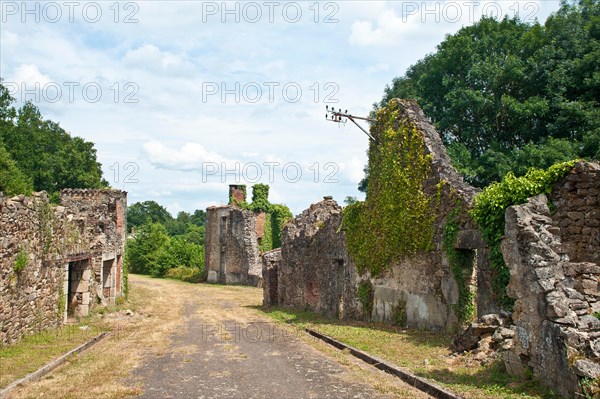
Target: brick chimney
{"points": [[237, 193]]}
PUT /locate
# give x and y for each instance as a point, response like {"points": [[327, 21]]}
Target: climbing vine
{"points": [[397, 217], [277, 215], [461, 266], [266, 244], [62, 300], [366, 295], [20, 261], [489, 208]]}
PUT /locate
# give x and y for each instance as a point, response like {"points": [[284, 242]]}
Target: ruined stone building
{"points": [[314, 270], [551, 248], [59, 261], [233, 234]]}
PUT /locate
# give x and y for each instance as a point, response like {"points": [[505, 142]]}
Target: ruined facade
{"points": [[313, 269], [59, 261], [552, 248], [231, 254], [316, 272]]}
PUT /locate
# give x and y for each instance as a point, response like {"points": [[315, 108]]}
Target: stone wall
{"points": [[552, 250], [231, 253], [317, 273], [70, 253], [270, 268]]}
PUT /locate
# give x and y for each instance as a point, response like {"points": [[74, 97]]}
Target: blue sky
{"points": [[183, 98]]}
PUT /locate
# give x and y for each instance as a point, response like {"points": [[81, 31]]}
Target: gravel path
{"points": [[243, 357]]}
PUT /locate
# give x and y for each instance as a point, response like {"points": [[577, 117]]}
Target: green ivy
{"points": [[20, 261], [266, 244], [62, 300], [397, 217], [489, 208], [366, 295], [260, 198], [277, 215], [461, 266]]}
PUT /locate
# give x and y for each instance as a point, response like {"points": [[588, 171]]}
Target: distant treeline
{"points": [[37, 154], [164, 246], [508, 95]]}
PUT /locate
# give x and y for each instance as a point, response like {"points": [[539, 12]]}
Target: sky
{"points": [[183, 98]]}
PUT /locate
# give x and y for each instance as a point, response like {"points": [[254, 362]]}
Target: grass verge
{"points": [[34, 351], [424, 353]]}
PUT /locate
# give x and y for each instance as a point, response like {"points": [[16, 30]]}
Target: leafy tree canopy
{"points": [[47, 157], [507, 95]]}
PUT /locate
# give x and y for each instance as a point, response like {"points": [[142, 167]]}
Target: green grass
{"points": [[34, 351], [424, 353]]}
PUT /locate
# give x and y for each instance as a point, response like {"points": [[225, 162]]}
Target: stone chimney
{"points": [[237, 193]]}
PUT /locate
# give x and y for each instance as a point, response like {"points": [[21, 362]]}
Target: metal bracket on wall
{"points": [[342, 117]]}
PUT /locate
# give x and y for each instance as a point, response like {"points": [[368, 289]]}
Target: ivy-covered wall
{"points": [[277, 215], [404, 236], [236, 234], [405, 255]]}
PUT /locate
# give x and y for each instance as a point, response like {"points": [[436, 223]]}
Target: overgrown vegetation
{"points": [[461, 266], [277, 215], [366, 296], [164, 246], [185, 273], [489, 208], [397, 216], [37, 154], [20, 261], [142, 213], [508, 95], [424, 353], [152, 251]]}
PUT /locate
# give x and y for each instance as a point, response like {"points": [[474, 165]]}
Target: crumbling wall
{"points": [[101, 215], [417, 290], [552, 250], [44, 242], [315, 271], [231, 246], [270, 272]]}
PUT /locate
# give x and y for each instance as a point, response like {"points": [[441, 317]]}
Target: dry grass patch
{"points": [[426, 354], [101, 371]]}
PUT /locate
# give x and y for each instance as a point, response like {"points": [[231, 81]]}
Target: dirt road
{"points": [[187, 341], [226, 349]]}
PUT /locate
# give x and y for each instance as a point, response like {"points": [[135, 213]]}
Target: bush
{"points": [[184, 273], [489, 208]]}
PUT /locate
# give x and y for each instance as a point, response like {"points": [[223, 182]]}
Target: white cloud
{"points": [[390, 30], [148, 56], [174, 208], [190, 156], [353, 170], [170, 53], [9, 40], [30, 75]]}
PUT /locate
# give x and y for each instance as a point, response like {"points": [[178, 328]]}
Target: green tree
{"points": [[44, 152], [507, 95], [145, 212], [146, 253], [199, 217], [12, 180]]}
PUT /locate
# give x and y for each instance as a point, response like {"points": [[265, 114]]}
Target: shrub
{"points": [[184, 273]]}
